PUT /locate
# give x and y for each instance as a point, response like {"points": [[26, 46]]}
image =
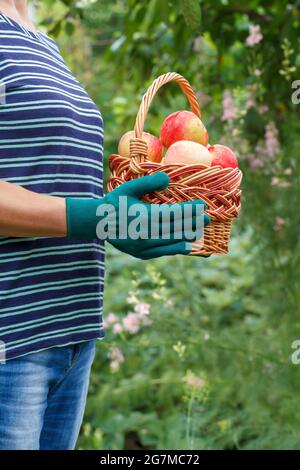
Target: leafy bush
{"points": [[210, 372]]}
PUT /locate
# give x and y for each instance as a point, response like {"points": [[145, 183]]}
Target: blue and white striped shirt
{"points": [[51, 142]]}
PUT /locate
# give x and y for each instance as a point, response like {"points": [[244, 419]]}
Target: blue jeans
{"points": [[42, 398]]}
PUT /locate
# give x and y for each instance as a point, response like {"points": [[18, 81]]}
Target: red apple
{"points": [[155, 148], [183, 125], [222, 156], [187, 152]]}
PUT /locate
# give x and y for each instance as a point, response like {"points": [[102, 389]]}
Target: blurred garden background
{"points": [[197, 353]]}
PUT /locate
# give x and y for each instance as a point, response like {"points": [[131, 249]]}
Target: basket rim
{"points": [[191, 166]]}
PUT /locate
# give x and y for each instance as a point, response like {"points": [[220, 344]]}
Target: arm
{"points": [[24, 213], [27, 214]]}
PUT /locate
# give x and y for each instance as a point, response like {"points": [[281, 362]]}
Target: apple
{"points": [[155, 148], [183, 125], [222, 156], [187, 152]]}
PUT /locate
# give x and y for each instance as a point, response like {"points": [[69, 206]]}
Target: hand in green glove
{"points": [[140, 229]]}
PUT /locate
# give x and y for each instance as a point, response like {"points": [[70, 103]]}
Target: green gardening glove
{"points": [[140, 229]]}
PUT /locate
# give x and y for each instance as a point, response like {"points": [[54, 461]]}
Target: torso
{"points": [[51, 142]]}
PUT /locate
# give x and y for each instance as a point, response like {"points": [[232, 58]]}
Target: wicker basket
{"points": [[218, 187]]}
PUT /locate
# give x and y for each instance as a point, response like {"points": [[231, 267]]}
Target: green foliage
{"points": [[225, 324], [209, 319], [192, 14]]}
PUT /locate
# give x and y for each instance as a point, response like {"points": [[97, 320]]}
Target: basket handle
{"points": [[138, 147]]}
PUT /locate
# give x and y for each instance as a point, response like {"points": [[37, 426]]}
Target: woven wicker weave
{"points": [[218, 187]]}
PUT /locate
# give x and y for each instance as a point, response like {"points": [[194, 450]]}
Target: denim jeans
{"points": [[42, 398]]}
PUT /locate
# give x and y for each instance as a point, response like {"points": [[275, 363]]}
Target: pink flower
{"points": [[131, 323], [255, 36], [279, 223], [146, 321], [250, 103], [114, 365], [271, 139], [110, 320], [117, 328], [203, 98], [254, 162], [263, 109], [116, 358], [142, 309], [266, 151], [275, 181], [229, 108], [195, 381]]}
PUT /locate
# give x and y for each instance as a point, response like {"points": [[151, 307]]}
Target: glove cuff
{"points": [[81, 217]]}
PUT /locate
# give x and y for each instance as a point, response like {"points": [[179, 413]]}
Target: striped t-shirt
{"points": [[51, 142]]}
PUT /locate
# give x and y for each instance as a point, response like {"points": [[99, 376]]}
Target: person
{"points": [[51, 253]]}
